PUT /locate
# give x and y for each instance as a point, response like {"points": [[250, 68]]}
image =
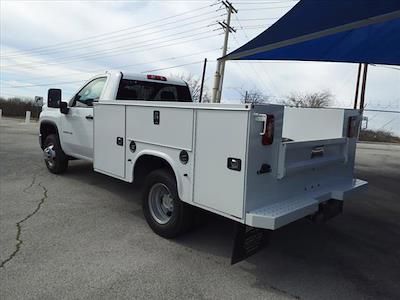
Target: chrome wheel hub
{"points": [[49, 155], [161, 203]]}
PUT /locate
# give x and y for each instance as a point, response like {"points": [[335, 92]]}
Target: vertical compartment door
{"points": [[220, 165], [109, 139]]}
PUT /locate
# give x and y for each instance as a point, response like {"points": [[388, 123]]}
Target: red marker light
{"points": [[268, 137], [352, 128], [156, 77]]}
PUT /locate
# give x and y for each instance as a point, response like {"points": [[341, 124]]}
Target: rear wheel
{"points": [[55, 159], [166, 214]]}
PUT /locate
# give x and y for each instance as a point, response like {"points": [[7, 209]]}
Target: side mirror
{"points": [[54, 98], [64, 108]]}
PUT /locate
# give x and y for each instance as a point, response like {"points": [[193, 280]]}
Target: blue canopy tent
{"points": [[357, 31], [354, 31]]}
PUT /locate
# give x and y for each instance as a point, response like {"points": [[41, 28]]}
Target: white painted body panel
{"points": [[316, 124], [297, 183], [108, 156], [174, 131], [211, 133], [77, 132], [220, 135]]}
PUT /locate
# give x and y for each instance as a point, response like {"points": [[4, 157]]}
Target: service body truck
{"points": [[261, 165]]}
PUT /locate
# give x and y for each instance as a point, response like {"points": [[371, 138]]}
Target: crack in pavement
{"points": [[19, 224], [33, 181]]}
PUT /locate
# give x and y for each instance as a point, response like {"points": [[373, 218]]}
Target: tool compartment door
{"points": [[220, 160], [109, 140]]}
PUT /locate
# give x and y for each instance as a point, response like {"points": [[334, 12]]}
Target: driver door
{"points": [[77, 133]]}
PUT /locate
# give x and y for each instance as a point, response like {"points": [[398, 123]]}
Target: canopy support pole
{"points": [[363, 86], [202, 80], [357, 86]]}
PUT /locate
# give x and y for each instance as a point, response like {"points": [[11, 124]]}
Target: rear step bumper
{"points": [[284, 212]]}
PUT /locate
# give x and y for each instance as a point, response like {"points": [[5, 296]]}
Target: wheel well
{"points": [[45, 130], [147, 164]]}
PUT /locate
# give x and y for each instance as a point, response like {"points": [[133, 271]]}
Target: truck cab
{"points": [[73, 124]]}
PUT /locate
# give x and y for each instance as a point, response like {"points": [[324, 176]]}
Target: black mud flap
{"points": [[248, 241], [327, 210]]}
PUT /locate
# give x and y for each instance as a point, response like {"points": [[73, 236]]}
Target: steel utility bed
{"points": [[284, 212]]}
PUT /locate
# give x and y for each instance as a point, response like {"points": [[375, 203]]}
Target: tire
{"points": [[160, 194], [54, 157]]}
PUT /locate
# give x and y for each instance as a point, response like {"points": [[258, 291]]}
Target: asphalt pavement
{"points": [[82, 235]]}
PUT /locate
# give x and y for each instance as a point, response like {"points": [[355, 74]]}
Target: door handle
{"points": [[89, 117]]}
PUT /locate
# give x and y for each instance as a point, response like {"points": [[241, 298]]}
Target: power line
{"points": [[78, 81], [257, 26], [90, 57], [255, 69], [119, 48], [267, 2], [120, 30], [173, 67], [386, 111], [125, 38], [386, 67], [386, 124], [126, 66], [258, 76], [264, 8], [262, 19]]}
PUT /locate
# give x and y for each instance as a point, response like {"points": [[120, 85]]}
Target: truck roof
{"points": [[144, 77]]}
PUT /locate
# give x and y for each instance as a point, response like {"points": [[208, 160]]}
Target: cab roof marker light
{"points": [[156, 77]]}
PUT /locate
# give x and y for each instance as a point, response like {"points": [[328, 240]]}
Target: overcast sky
{"points": [[62, 43]]}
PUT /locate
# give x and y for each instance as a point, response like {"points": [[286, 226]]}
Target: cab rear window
{"points": [[152, 91]]}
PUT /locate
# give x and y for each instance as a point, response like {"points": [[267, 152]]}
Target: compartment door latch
{"points": [[156, 117], [234, 164], [120, 141]]}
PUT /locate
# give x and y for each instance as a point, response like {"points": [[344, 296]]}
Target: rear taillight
{"points": [[268, 136], [352, 127], [156, 77]]}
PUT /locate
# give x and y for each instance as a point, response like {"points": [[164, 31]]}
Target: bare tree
{"points": [[253, 96], [317, 99], [194, 84]]}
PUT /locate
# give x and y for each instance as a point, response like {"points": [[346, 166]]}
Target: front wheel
{"points": [[166, 214], [54, 157]]}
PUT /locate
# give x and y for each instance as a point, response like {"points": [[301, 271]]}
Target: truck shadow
{"points": [[356, 253]]}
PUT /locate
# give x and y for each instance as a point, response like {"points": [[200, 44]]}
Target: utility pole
{"points": [[219, 73]]}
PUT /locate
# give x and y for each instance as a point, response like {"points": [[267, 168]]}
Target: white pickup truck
{"points": [[263, 166]]}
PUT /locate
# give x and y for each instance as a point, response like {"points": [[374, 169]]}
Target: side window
{"points": [[129, 90], [90, 93]]}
